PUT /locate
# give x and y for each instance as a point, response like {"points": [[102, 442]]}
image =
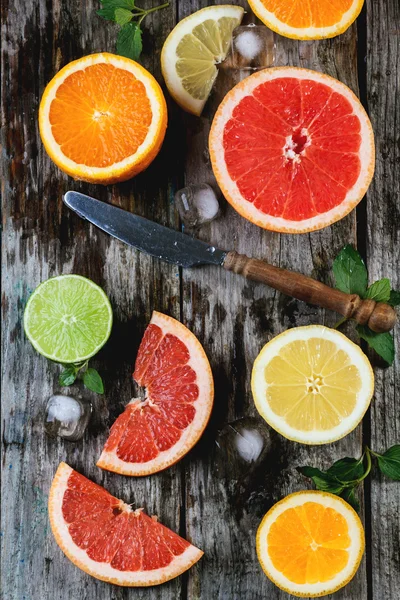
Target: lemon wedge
{"points": [[193, 49], [312, 384]]}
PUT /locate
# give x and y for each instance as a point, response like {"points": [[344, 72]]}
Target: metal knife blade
{"points": [[147, 236]]}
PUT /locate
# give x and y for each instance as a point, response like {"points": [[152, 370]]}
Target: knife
{"points": [[185, 251]]}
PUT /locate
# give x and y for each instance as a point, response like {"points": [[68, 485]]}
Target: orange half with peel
{"points": [[102, 118]]}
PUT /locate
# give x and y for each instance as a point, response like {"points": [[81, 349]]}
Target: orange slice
{"points": [[307, 19], [154, 433], [102, 118], [292, 149], [109, 540], [310, 543]]}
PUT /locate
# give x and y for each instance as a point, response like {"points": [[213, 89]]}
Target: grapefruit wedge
{"points": [[292, 149], [154, 433], [109, 540]]}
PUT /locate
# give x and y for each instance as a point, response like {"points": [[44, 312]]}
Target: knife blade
{"points": [[144, 235], [185, 251]]}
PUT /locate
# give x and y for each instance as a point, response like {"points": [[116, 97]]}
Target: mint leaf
{"points": [[323, 481], [394, 298], [109, 8], [382, 343], [347, 469], [350, 272], [93, 381], [68, 376], [123, 16], [389, 463], [349, 495], [379, 291], [129, 41]]}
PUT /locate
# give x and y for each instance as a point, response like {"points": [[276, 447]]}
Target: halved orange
{"points": [[102, 118], [292, 149], [109, 540], [154, 433], [310, 543], [307, 19]]}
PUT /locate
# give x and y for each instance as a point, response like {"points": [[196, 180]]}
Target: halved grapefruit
{"points": [[109, 540], [292, 149], [154, 433]]}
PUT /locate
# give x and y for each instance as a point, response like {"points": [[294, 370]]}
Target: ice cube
{"points": [[252, 47], [66, 417], [197, 205], [243, 440]]}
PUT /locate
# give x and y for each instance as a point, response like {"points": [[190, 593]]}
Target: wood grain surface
{"points": [[212, 501]]}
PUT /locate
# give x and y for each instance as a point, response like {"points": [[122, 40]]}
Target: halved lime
{"points": [[68, 318]]}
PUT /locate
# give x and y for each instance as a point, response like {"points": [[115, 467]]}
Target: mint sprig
{"points": [[90, 377], [129, 17], [346, 474], [351, 276]]}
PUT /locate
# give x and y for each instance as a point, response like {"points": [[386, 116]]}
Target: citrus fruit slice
{"points": [[109, 540], [312, 384], [152, 434], [68, 318], [102, 118], [310, 543], [193, 49], [292, 150], [307, 20]]}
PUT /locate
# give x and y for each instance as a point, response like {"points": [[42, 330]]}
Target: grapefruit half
{"points": [[154, 433], [292, 149], [109, 540]]}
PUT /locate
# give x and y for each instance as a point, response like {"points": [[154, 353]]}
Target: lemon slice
{"points": [[193, 49], [312, 384]]}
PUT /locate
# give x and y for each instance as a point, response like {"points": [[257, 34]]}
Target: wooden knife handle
{"points": [[379, 317]]}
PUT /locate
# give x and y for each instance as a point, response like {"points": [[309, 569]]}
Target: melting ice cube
{"points": [[66, 417], [253, 47], [244, 440], [197, 204]]}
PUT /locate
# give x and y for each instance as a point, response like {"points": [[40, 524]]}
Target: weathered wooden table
{"points": [[203, 496]]}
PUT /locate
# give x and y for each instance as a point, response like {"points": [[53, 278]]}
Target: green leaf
{"points": [[93, 381], [349, 495], [350, 272], [347, 469], [394, 299], [379, 291], [323, 481], [123, 16], [389, 463], [382, 343], [68, 376], [129, 41], [109, 8]]}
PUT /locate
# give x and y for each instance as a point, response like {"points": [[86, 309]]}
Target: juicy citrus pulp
{"points": [[312, 384], [192, 50], [106, 538], [102, 118], [307, 20], [310, 543], [152, 434], [68, 318], [292, 149]]}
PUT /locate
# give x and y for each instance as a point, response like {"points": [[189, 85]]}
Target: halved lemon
{"points": [[193, 49], [312, 384], [310, 543]]}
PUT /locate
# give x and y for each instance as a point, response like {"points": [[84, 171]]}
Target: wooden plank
{"points": [[42, 238], [383, 253], [234, 318]]}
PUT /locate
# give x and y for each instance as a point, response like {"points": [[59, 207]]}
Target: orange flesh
{"points": [[308, 13], [309, 543], [147, 428], [108, 531], [100, 115], [292, 148]]}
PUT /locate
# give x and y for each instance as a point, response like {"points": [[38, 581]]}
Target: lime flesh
{"points": [[68, 318]]}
